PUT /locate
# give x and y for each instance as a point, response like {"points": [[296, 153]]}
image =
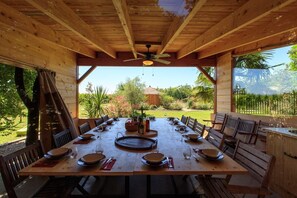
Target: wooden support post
{"points": [[85, 75]]}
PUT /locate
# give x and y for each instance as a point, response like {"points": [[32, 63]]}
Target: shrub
{"points": [[118, 107], [201, 106], [176, 106], [166, 100]]}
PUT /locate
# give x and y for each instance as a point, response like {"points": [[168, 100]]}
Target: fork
{"points": [[169, 162]]}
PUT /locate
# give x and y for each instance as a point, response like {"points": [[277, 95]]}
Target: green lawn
{"points": [[200, 115], [9, 135]]}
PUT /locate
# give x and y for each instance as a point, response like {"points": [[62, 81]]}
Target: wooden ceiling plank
{"points": [[283, 23], [15, 19], [60, 12], [122, 11], [178, 25], [250, 12]]}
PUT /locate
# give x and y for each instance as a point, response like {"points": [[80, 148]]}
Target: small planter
{"points": [[131, 126]]}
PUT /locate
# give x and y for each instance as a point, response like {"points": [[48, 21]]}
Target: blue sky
{"points": [[110, 77]]}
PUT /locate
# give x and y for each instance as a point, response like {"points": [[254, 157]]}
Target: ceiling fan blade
{"points": [[162, 55], [140, 54], [133, 59], [162, 61]]}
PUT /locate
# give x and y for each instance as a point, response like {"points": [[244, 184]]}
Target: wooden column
{"points": [[223, 88]]}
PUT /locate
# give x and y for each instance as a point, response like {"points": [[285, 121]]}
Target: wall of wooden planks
{"points": [[224, 83], [23, 50]]}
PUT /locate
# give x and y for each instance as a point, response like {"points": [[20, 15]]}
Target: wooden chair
{"points": [[85, 127], [99, 121], [17, 186], [261, 133], [244, 132], [184, 119], [229, 129], [191, 122], [105, 118], [62, 138], [218, 122], [199, 128], [215, 138], [259, 166]]}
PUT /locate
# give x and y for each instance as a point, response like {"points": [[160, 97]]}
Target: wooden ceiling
{"points": [[203, 27]]}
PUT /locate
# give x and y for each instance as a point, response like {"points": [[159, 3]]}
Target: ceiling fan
{"points": [[148, 57]]}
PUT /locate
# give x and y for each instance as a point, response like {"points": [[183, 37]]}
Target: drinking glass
{"points": [[187, 152], [99, 148], [74, 153]]}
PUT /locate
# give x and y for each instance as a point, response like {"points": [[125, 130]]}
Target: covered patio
{"points": [[62, 35]]}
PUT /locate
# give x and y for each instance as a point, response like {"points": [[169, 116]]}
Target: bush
{"points": [[201, 106], [176, 106], [153, 107], [166, 100]]}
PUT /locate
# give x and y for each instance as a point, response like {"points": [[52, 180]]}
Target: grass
{"points": [[9, 135], [200, 115]]}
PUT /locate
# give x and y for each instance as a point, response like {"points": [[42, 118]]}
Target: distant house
{"points": [[153, 96]]}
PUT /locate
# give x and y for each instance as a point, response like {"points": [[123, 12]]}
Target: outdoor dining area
{"points": [[234, 154], [168, 146]]}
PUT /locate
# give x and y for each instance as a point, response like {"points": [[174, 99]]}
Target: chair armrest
{"points": [[244, 133], [248, 190], [208, 120]]}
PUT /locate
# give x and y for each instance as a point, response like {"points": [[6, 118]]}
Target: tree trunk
{"points": [[32, 105]]}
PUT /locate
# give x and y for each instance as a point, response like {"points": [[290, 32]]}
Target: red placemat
{"points": [[46, 163], [82, 141], [109, 165]]}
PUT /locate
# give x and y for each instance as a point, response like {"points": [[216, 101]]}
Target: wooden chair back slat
{"points": [[261, 133], [184, 119], [215, 138], [99, 121], [230, 126], [245, 130], [12, 163], [199, 128], [85, 127], [256, 162], [62, 138], [191, 122]]}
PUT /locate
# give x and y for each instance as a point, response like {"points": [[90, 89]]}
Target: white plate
{"points": [[154, 157], [86, 136], [194, 137], [58, 152], [92, 158], [163, 162]]}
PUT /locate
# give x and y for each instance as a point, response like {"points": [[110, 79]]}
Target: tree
{"points": [[31, 101], [204, 89], [254, 66], [94, 100], [133, 90], [293, 56]]}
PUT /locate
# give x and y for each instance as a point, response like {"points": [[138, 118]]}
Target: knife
{"points": [[169, 162]]}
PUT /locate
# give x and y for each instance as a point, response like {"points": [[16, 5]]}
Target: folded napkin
{"points": [[108, 165], [170, 163], [82, 141], [46, 163]]}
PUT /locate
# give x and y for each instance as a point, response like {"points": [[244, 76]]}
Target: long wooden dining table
{"points": [[170, 142]]}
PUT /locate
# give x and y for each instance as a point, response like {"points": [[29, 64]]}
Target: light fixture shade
{"points": [[147, 62]]}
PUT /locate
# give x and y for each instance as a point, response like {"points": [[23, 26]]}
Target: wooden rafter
{"points": [[250, 12], [85, 74], [285, 39], [13, 18], [207, 75], [284, 23], [122, 10], [60, 12], [177, 26]]}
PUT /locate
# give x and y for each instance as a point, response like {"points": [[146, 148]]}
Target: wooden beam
{"points": [[122, 10], [85, 75], [285, 39], [177, 26], [18, 21], [214, 82], [104, 60], [60, 12], [285, 22], [250, 12]]}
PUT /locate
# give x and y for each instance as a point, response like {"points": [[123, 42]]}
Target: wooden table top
{"points": [[128, 162]]}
